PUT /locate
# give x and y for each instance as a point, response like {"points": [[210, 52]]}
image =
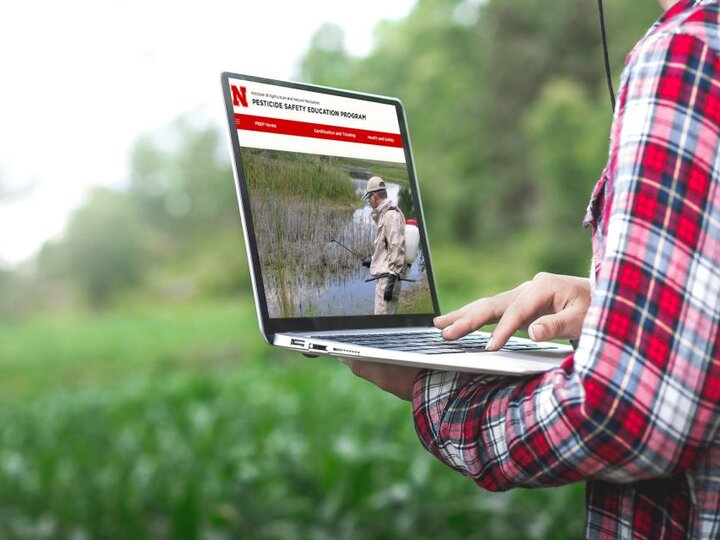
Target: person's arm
{"points": [[640, 396]]}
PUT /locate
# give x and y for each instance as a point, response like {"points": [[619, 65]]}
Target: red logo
{"points": [[239, 95]]}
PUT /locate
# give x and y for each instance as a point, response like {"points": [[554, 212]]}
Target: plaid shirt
{"points": [[635, 410]]}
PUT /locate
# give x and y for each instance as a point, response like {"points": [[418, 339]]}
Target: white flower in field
{"points": [[13, 464], [248, 472], [79, 534], [396, 493], [346, 447], [201, 417]]}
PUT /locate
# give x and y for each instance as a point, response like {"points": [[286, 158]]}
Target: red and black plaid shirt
{"points": [[635, 411]]}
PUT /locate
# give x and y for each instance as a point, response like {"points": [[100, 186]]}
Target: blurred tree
{"points": [[175, 230], [182, 182], [469, 71], [102, 251], [568, 143], [8, 296], [327, 58], [427, 60]]}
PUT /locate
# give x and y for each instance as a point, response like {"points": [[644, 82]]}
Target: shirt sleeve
{"points": [[639, 398]]}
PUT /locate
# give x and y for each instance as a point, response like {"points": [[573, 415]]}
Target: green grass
{"points": [[286, 174], [416, 300], [69, 352], [181, 423]]}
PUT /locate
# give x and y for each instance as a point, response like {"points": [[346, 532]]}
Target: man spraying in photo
{"points": [[388, 260]]}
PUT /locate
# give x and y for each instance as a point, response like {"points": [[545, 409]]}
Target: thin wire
{"points": [[608, 75]]}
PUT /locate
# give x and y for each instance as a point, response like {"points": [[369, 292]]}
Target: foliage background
{"points": [[138, 400]]}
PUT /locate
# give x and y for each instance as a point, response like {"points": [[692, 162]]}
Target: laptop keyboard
{"points": [[431, 343]]}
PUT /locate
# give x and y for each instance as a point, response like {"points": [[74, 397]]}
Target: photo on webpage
{"points": [[313, 231]]}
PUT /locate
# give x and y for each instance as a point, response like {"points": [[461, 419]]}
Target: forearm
{"points": [[480, 427], [527, 432]]}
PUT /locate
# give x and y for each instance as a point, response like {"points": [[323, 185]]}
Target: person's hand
{"points": [[550, 306], [366, 262], [398, 380], [389, 287]]}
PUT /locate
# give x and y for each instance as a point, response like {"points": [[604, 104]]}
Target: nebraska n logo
{"points": [[239, 95]]}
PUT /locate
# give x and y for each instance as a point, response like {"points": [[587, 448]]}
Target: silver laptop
{"points": [[303, 155]]}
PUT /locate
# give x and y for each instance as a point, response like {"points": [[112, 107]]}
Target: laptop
{"points": [[303, 157]]}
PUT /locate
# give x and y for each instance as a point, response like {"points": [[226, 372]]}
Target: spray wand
{"points": [[347, 248]]}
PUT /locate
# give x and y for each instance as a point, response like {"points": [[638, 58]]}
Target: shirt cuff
{"points": [[433, 392]]}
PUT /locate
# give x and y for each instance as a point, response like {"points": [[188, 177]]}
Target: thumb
{"points": [[565, 324]]}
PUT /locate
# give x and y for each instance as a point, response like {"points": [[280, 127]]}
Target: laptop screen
{"points": [[332, 210]]}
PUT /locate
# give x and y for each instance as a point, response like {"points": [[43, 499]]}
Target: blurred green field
{"points": [[179, 422]]}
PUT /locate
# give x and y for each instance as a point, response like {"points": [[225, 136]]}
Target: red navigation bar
{"points": [[319, 131]]}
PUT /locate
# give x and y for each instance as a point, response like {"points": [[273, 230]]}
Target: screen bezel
{"points": [[270, 326]]}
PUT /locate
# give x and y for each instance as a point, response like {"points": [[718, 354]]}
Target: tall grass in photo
{"points": [[296, 175]]}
